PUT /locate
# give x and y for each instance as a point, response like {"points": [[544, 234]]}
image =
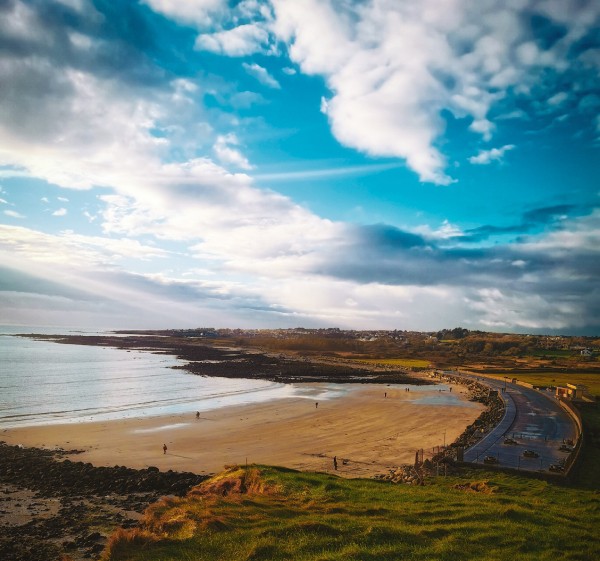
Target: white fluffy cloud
{"points": [[13, 214], [88, 130], [346, 303], [77, 137], [70, 248], [195, 12], [261, 74], [240, 41], [392, 67], [485, 157], [227, 153]]}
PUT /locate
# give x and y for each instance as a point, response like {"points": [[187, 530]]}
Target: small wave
{"points": [[161, 428]]}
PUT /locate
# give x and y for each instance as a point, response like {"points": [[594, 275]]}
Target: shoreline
{"points": [[208, 359], [369, 431]]}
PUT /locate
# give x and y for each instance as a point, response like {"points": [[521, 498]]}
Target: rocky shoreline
{"points": [[206, 359], [52, 508]]}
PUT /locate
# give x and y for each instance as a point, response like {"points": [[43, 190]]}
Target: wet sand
{"points": [[370, 431]]}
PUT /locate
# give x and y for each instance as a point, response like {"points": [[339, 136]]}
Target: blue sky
{"points": [[361, 164]]}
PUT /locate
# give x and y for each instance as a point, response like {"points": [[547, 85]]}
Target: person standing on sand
{"points": [[164, 448], [197, 414], [317, 405], [335, 463]]}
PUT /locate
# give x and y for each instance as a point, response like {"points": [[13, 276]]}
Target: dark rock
{"points": [[92, 500]]}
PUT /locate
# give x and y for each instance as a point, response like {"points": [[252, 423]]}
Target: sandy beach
{"points": [[370, 431]]}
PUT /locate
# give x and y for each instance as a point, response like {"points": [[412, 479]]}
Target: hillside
{"points": [[266, 513]]}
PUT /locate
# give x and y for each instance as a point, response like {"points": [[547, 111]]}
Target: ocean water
{"points": [[47, 383]]}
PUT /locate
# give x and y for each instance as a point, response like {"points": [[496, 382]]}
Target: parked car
{"points": [[565, 448], [530, 454], [557, 467], [510, 441], [490, 460]]}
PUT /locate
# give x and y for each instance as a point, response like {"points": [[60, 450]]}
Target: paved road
{"points": [[535, 420]]}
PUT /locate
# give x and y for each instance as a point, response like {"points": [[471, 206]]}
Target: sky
{"points": [[362, 164]]}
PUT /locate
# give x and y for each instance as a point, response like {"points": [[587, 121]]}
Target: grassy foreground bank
{"points": [[266, 513]]}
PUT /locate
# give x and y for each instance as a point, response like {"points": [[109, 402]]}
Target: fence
{"points": [[576, 453]]}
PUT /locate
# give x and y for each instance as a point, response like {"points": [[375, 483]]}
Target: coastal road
{"points": [[534, 419]]}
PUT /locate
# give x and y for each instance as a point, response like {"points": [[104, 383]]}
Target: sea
{"points": [[42, 382]]}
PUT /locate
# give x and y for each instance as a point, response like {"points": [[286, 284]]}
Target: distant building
{"points": [[572, 391], [586, 352]]}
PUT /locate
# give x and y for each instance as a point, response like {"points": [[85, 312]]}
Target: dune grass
{"points": [[284, 514]]}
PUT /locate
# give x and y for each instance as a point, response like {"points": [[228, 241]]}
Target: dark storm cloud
{"points": [[45, 48], [590, 40], [544, 280], [383, 235], [530, 221], [388, 255], [14, 281], [118, 38], [545, 31], [16, 286], [201, 293]]}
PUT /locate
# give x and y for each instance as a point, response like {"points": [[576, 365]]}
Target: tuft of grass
{"points": [[235, 480], [123, 544], [476, 487]]}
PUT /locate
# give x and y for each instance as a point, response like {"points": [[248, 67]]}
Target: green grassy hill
{"points": [[267, 513]]}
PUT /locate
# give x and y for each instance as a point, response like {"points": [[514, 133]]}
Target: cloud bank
{"points": [[185, 230]]}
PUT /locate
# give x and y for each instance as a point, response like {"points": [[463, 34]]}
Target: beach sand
{"points": [[370, 431]]}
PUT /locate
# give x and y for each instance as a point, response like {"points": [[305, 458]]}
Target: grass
{"points": [[587, 471], [547, 379], [282, 514], [405, 362], [541, 353]]}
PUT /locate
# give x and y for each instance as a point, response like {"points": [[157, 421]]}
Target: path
{"points": [[534, 419]]}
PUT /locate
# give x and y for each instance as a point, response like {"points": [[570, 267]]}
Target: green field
{"points": [[286, 515], [591, 380], [403, 362]]}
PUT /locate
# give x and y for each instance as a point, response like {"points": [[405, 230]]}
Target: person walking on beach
{"points": [[317, 405], [335, 463], [197, 414], [164, 448]]}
